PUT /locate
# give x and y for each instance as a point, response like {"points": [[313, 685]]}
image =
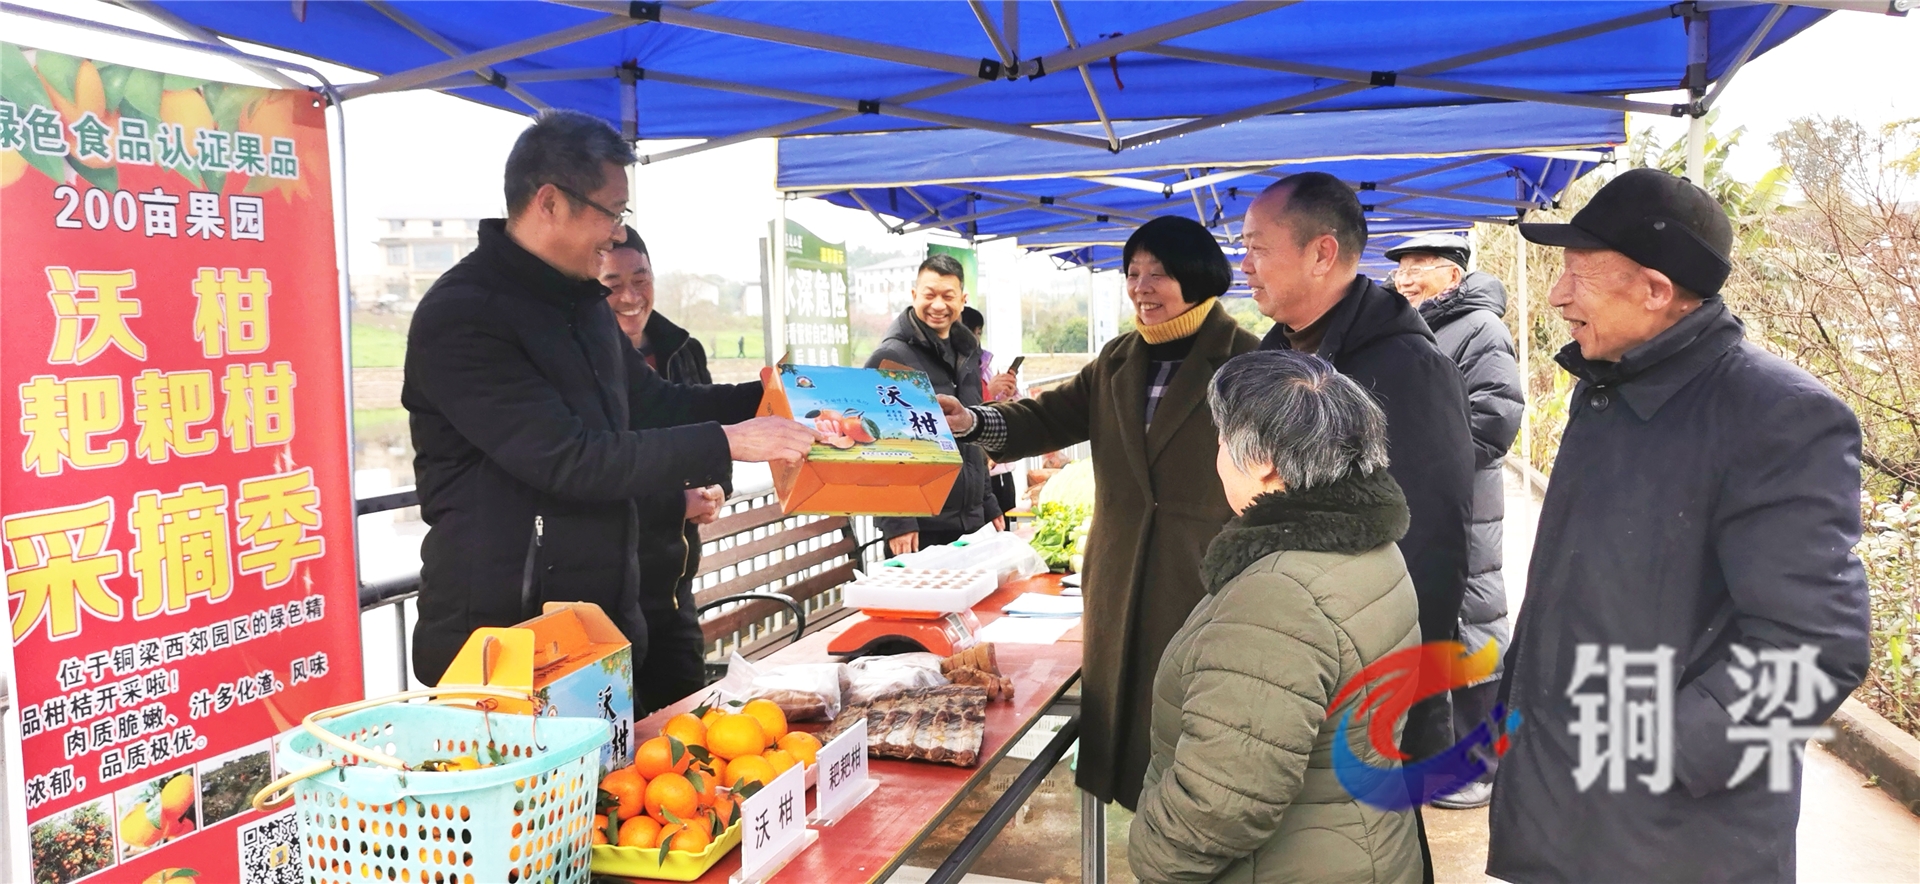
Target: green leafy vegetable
{"points": [[1058, 527]]}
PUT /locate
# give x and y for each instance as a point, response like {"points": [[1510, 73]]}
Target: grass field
{"points": [[376, 347]]}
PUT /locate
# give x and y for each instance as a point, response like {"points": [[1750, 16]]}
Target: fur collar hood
{"points": [[1352, 515]]}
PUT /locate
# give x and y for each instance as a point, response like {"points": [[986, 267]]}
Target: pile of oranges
{"points": [[685, 786]]}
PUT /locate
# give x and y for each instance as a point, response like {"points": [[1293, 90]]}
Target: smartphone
{"points": [[1014, 366]]}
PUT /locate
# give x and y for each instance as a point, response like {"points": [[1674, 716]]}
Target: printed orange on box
{"points": [[572, 657], [887, 450]]}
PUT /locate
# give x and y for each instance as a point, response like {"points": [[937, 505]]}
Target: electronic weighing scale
{"points": [[895, 632]]}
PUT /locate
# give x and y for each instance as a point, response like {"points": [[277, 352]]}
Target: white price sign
{"points": [[843, 775], [774, 826]]}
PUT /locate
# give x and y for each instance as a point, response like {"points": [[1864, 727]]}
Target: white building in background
{"points": [[883, 288], [413, 252]]}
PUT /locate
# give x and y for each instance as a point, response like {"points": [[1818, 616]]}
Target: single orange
{"points": [[714, 712], [781, 760], [735, 736], [599, 828], [773, 721], [628, 788], [705, 782], [690, 838], [725, 810], [655, 757], [749, 769], [671, 793], [716, 768], [641, 831], [687, 729], [803, 745]]}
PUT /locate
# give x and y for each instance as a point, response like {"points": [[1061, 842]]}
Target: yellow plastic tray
{"points": [[644, 862]]}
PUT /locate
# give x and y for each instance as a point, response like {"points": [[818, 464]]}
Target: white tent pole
{"points": [[1697, 57], [1086, 79], [1414, 81], [776, 310], [1697, 150], [1525, 345], [203, 35], [1746, 53], [486, 75], [413, 78], [993, 33], [1433, 67]]}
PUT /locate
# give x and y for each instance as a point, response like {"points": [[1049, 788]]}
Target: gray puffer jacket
{"points": [[1466, 324], [1304, 590]]}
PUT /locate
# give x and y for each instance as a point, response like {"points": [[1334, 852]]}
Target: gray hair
{"points": [[565, 148], [1293, 411]]}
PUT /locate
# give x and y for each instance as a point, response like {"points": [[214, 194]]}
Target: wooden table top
{"points": [[914, 796]]}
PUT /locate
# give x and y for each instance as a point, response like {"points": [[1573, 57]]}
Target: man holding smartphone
{"points": [[930, 337]]}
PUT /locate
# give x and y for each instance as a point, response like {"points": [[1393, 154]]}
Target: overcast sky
{"points": [[424, 154]]}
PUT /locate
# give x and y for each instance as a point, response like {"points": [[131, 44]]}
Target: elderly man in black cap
{"points": [[1464, 308], [1694, 611]]}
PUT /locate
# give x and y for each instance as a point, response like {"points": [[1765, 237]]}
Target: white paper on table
{"points": [[1027, 630], [1034, 604]]}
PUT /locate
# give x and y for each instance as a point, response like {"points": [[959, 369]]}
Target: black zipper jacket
{"points": [[521, 394], [669, 546], [1376, 338], [954, 371]]}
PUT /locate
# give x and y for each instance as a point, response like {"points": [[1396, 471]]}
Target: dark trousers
{"points": [[1002, 488], [1471, 706], [675, 667]]}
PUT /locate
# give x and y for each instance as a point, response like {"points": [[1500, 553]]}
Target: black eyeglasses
{"points": [[618, 217]]}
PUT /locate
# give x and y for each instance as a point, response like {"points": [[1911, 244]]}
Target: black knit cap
{"points": [[1659, 220]]}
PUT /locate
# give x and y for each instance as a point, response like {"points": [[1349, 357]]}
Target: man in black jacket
{"points": [[1304, 236], [522, 394], [1463, 309], [928, 336], [669, 524], [1694, 611]]}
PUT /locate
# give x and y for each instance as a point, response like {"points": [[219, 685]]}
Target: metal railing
{"points": [[753, 637]]}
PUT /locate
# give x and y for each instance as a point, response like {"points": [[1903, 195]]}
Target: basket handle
{"points": [[267, 800]]}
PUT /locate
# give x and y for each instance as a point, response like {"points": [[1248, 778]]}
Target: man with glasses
{"points": [[1463, 309], [536, 424]]}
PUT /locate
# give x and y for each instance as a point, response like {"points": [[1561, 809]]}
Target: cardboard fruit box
{"points": [[572, 657], [888, 451]]}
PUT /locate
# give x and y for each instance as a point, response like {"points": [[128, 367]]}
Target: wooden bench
{"points": [[755, 548]]}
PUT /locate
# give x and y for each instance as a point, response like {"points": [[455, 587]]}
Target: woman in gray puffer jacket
{"points": [[1305, 587]]}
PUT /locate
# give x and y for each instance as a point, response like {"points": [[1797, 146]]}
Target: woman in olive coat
{"points": [[1157, 499]]}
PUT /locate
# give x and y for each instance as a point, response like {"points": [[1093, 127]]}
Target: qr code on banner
{"points": [[270, 850]]}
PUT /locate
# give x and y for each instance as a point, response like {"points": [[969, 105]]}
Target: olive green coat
{"points": [[1157, 501], [1304, 591]]}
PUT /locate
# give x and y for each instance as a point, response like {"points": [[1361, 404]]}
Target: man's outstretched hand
{"points": [[770, 439], [959, 419]]}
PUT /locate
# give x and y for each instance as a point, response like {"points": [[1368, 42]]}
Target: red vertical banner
{"points": [[175, 506]]}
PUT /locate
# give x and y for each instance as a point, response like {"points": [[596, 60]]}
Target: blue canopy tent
{"points": [[1421, 169], [731, 71]]}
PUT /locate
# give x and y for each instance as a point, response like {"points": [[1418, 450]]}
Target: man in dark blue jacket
{"points": [[1694, 610]]}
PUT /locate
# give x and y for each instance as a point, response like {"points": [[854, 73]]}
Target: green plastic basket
{"points": [[526, 820]]}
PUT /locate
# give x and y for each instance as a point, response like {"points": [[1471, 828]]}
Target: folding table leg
{"points": [[1093, 839]]}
